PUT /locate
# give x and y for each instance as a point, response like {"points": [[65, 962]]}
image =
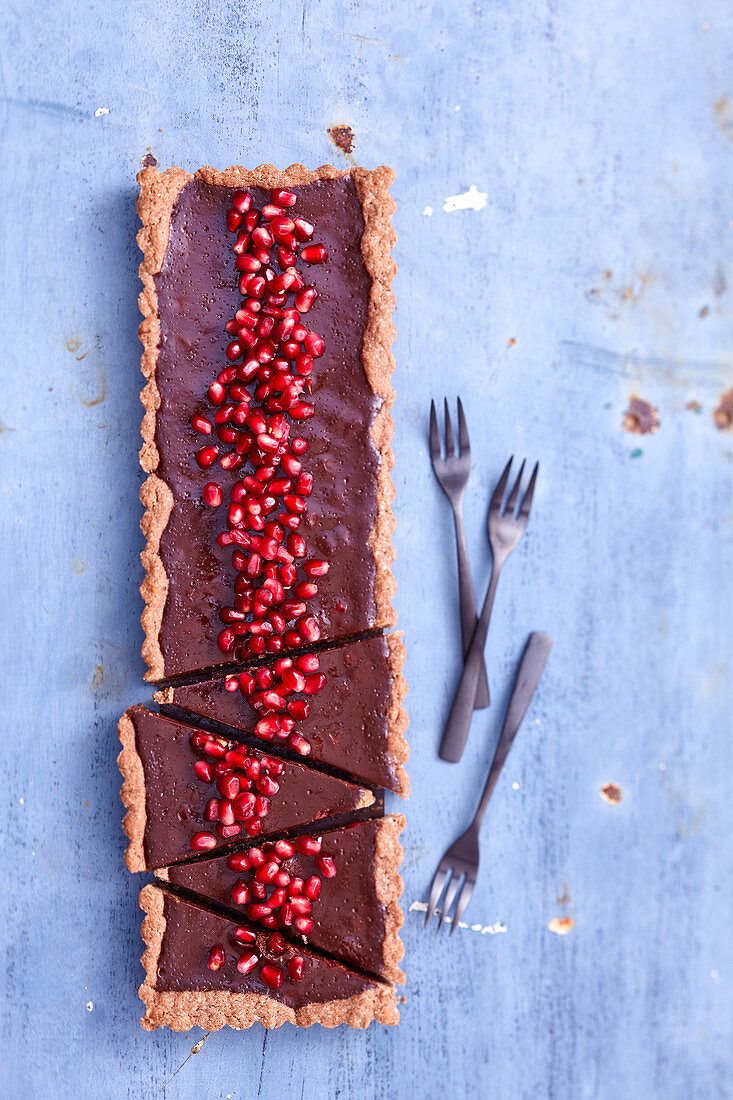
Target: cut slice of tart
{"points": [[267, 332], [203, 969], [344, 706], [188, 791], [340, 889]]}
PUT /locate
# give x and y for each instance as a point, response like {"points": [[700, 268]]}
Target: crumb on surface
{"points": [[343, 137], [723, 415], [611, 792], [149, 161], [640, 418], [561, 925]]}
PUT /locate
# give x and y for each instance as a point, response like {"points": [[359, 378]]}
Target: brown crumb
{"points": [[561, 925], [723, 415], [640, 418], [511, 343], [564, 898], [149, 160], [342, 137], [693, 406], [611, 792], [704, 312]]}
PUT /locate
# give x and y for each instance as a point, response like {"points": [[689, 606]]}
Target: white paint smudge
{"points": [[428, 211], [473, 199], [101, 111], [482, 929], [715, 976], [515, 786], [90, 1006]]}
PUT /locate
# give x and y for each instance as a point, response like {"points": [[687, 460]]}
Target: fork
{"points": [[452, 474], [505, 530], [462, 858]]}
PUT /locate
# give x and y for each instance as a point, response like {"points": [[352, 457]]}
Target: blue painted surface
{"points": [[604, 140]]}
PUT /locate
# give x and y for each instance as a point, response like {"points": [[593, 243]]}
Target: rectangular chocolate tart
{"points": [[188, 792], [337, 398], [199, 971], [347, 703], [352, 909]]}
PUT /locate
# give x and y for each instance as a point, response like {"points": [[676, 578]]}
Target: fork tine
{"points": [[435, 891], [512, 500], [527, 500], [463, 431], [449, 898], [463, 900], [498, 494], [450, 447], [434, 433]]}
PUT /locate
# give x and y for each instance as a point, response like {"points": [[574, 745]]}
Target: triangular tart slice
{"points": [[203, 969], [188, 791], [339, 889]]}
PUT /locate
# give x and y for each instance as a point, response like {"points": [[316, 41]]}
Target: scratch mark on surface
{"points": [[473, 199], [48, 107], [194, 1050], [262, 1063], [722, 117], [483, 929], [361, 38]]}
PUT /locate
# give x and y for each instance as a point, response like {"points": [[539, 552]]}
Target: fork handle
{"points": [[467, 602], [456, 729], [533, 662]]}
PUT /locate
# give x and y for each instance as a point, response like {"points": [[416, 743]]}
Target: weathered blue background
{"points": [[604, 139]]}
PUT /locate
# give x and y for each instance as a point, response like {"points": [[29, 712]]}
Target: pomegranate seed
{"points": [[272, 976], [240, 893], [268, 727], [241, 201], [267, 785], [277, 897], [312, 888], [249, 264], [228, 786], [314, 684], [226, 640], [262, 805], [247, 962], [282, 878], [326, 866], [315, 568], [217, 957], [295, 967], [293, 680], [203, 842], [308, 628], [244, 935], [298, 446], [253, 770], [201, 424], [238, 862], [313, 254], [244, 806], [267, 872], [303, 229], [253, 826], [282, 197], [285, 257], [257, 910], [211, 810], [305, 298], [303, 925], [203, 771], [298, 709], [314, 345], [207, 456], [306, 590], [307, 845], [299, 744], [234, 220], [301, 905]]}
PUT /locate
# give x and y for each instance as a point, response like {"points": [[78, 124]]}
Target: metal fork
{"points": [[506, 527], [452, 474], [462, 858]]}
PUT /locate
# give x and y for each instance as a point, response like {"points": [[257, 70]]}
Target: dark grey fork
{"points": [[452, 474], [460, 863], [506, 526]]}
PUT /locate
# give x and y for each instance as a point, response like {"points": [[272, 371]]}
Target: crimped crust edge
{"points": [[132, 794], [212, 1010]]}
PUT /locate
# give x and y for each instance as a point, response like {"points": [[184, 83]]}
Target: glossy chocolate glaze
{"points": [[191, 932], [175, 798], [197, 294], [349, 918], [348, 722]]}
